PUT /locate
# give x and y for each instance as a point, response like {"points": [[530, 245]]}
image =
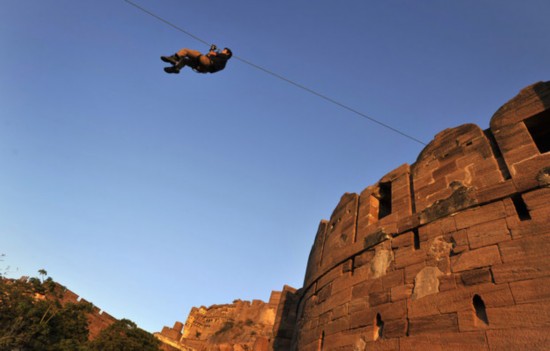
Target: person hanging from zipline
{"points": [[213, 61]]}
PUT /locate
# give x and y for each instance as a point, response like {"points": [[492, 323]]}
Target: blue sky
{"points": [[149, 193]]}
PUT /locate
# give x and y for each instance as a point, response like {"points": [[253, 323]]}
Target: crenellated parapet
{"points": [[241, 325]]}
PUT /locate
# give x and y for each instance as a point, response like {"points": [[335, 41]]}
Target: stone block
{"points": [[408, 256], [537, 199], [336, 300], [460, 199], [471, 341], [340, 342], [412, 271], [440, 323], [378, 298], [483, 257], [343, 282], [362, 318], [532, 339], [468, 321], [496, 191], [494, 295], [340, 311], [442, 171], [525, 177], [347, 266], [529, 268], [525, 248], [531, 290], [535, 226], [481, 214], [407, 223], [358, 305], [447, 282], [324, 293], [395, 329], [363, 258], [403, 240], [476, 276], [375, 238], [337, 326], [330, 276], [460, 241], [393, 278], [440, 227], [452, 300], [535, 315], [381, 345], [401, 292], [489, 233], [380, 263], [426, 282], [392, 311]]}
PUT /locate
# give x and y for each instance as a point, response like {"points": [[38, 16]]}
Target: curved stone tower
{"points": [[449, 253]]}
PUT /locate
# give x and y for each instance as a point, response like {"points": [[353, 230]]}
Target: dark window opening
{"points": [[416, 239], [385, 200], [521, 208], [378, 327], [411, 188], [498, 154], [539, 128], [479, 307]]}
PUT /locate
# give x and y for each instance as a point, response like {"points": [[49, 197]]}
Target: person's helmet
{"points": [[229, 52]]}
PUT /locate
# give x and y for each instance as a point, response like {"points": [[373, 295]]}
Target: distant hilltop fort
{"points": [[449, 253]]}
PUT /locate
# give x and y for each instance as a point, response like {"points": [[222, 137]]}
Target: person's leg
{"points": [[189, 53], [174, 59]]}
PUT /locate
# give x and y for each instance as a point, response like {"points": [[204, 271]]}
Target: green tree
{"points": [[33, 322], [34, 317], [124, 335], [43, 274]]}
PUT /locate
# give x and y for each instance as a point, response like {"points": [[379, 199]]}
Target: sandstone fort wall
{"points": [[97, 319], [449, 253]]}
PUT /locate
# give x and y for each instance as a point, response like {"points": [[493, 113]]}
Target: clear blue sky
{"points": [[150, 193]]}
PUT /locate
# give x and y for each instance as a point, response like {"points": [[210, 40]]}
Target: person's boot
{"points": [[174, 59], [177, 67]]}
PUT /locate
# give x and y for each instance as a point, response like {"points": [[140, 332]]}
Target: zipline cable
{"points": [[265, 70]]}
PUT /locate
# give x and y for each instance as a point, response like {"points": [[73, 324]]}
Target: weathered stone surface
{"points": [[426, 282], [408, 256], [445, 342], [531, 290], [375, 238], [380, 263], [532, 339], [395, 329], [486, 256], [482, 214], [529, 268], [489, 233], [434, 324], [233, 327], [461, 198], [534, 315], [440, 249], [525, 248], [476, 276]]}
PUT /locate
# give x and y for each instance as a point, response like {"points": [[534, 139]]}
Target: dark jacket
{"points": [[217, 62]]}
